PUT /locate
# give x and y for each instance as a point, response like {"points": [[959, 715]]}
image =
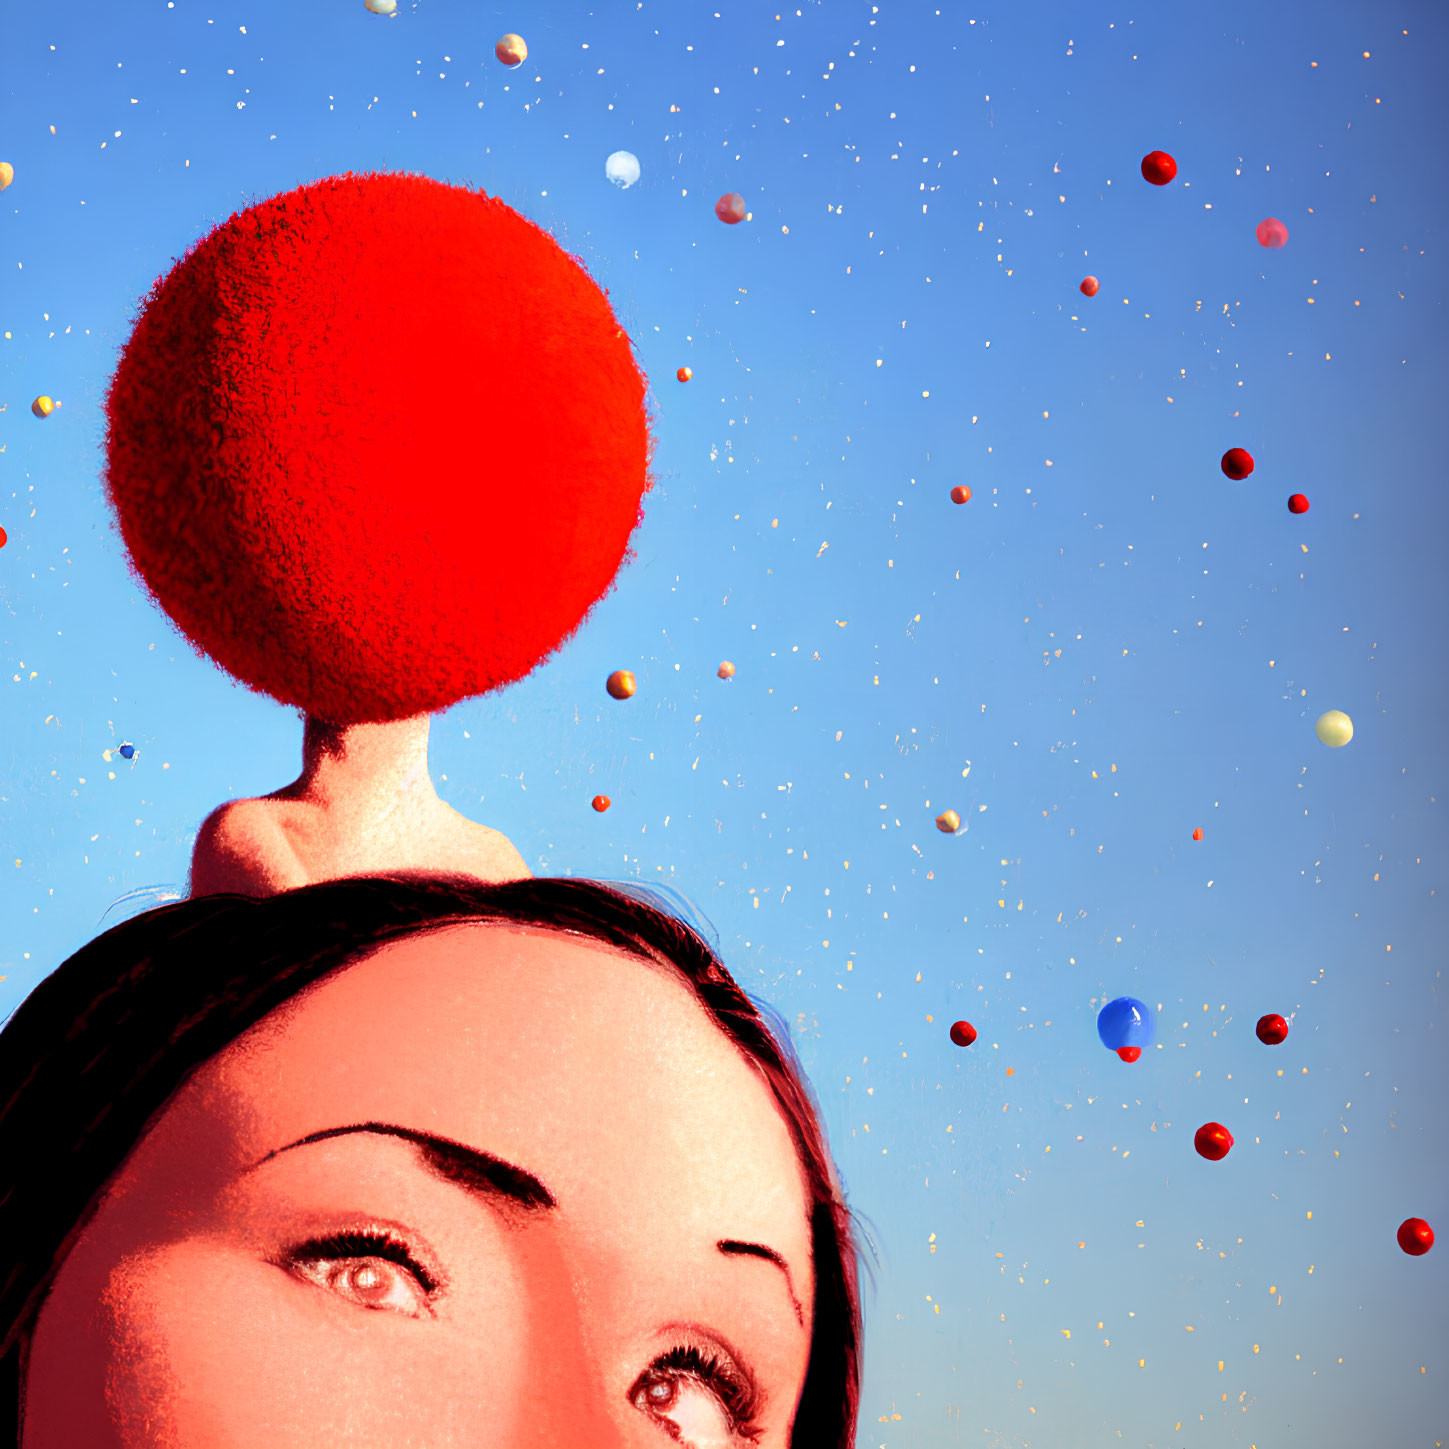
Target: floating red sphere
{"points": [[1197, 834], [4, 538], [1298, 503], [1272, 232], [684, 374], [1213, 1141], [960, 494], [1272, 1029], [1158, 167], [601, 803], [730, 208], [296, 544], [1090, 286], [1237, 463], [1416, 1237], [1129, 1054], [963, 1033]]}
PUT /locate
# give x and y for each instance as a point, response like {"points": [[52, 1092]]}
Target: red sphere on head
{"points": [[1090, 286], [730, 208], [1416, 1237], [963, 1033], [1213, 1141], [1272, 233], [1272, 1029], [1129, 1054], [1237, 463], [322, 533], [1298, 503], [1158, 167]]}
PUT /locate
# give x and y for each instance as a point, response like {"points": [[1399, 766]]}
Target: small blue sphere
{"points": [[1125, 1022], [127, 751]]}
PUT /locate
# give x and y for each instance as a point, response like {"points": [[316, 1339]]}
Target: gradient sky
{"points": [[1109, 645]]}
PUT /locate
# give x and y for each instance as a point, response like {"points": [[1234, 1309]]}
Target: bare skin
{"points": [[289, 1259], [364, 804]]}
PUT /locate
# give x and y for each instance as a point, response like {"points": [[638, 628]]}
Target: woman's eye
{"points": [[360, 1274], [688, 1408]]}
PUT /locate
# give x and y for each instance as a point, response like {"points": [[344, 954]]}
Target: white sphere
{"points": [[381, 7], [622, 168], [1335, 729]]}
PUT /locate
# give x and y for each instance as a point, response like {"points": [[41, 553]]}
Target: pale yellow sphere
{"points": [[43, 406], [7, 174], [511, 50], [726, 670], [948, 822], [381, 7], [1335, 729]]}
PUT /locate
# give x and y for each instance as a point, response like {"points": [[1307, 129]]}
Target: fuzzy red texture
{"points": [[377, 444]]}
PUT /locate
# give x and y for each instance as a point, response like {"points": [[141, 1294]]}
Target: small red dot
{"points": [[1416, 1237], [1237, 463], [1158, 167], [1213, 1141], [1272, 1030]]}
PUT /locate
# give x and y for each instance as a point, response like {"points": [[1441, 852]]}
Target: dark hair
{"points": [[102, 1044]]}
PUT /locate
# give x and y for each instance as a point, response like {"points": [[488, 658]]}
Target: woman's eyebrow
{"points": [[759, 1250], [477, 1172]]}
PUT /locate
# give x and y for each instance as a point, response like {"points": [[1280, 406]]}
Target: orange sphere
{"points": [[511, 50], [684, 374], [726, 670], [43, 406], [1090, 286], [960, 494], [601, 803], [948, 822], [1197, 834], [621, 684]]}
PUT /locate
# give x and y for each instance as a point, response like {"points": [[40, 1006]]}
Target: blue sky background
{"points": [[1110, 645]]}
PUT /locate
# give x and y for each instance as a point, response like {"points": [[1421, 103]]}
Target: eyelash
{"points": [[365, 1245], [735, 1392]]}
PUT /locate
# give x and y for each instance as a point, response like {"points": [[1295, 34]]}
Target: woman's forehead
{"points": [[597, 1072]]}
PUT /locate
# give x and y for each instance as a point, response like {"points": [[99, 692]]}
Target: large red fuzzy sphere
{"points": [[376, 445]]}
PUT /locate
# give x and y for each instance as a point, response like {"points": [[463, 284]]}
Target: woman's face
{"points": [[489, 1186]]}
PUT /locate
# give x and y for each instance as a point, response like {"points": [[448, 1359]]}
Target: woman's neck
{"points": [[364, 766]]}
